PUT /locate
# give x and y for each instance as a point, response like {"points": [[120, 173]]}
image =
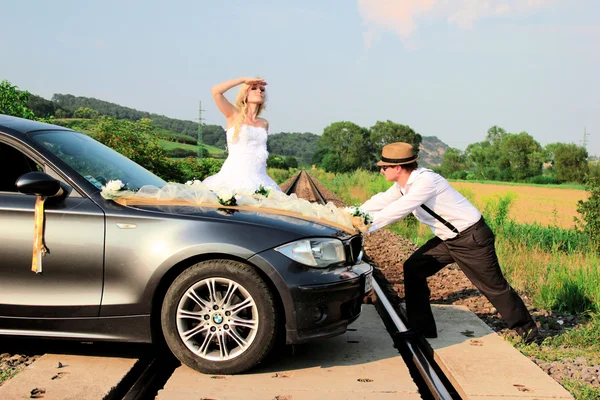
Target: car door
{"points": [[70, 284]]}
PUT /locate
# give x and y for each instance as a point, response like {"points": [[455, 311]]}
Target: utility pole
{"points": [[200, 147], [586, 134]]}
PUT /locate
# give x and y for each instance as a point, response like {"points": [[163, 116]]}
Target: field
{"points": [[546, 206], [549, 262], [215, 152]]}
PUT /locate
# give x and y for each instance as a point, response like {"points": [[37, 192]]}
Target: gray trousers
{"points": [[474, 251]]}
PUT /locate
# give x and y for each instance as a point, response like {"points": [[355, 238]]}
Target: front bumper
{"points": [[326, 310]]}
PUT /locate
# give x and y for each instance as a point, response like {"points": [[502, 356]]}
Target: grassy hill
{"points": [[89, 125], [214, 151]]}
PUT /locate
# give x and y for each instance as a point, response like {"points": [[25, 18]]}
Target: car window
{"points": [[13, 164], [94, 161]]}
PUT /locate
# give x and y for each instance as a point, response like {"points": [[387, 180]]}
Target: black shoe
{"points": [[414, 333], [530, 333]]}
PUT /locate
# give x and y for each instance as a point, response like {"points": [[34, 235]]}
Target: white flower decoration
{"points": [[115, 189], [114, 185], [225, 194]]}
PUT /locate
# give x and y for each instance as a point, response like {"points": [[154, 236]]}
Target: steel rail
{"points": [[428, 373], [425, 368]]}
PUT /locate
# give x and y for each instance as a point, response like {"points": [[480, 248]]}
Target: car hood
{"points": [[298, 226]]}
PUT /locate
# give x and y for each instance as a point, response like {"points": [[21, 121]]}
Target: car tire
{"points": [[219, 317]]}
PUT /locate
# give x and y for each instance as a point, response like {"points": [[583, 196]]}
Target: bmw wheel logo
{"points": [[217, 318]]}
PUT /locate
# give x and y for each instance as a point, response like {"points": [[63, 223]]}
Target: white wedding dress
{"points": [[245, 168]]}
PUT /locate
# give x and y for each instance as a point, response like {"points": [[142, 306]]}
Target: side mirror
{"points": [[39, 184]]}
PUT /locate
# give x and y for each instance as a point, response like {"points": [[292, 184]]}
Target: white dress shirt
{"points": [[423, 187]]}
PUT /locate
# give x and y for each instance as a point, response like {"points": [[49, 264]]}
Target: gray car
{"points": [[217, 287]]}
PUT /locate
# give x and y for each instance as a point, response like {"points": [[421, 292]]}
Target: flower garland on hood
{"points": [[350, 219]]}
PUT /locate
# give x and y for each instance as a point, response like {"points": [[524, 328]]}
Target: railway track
{"points": [[151, 371], [418, 356]]}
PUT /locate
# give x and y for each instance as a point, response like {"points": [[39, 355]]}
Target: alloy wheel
{"points": [[217, 319]]}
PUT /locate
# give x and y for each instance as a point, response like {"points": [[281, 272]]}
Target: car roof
{"points": [[20, 126]]}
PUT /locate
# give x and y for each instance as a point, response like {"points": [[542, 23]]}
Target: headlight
{"points": [[319, 253]]}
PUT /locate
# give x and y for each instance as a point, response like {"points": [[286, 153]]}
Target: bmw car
{"points": [[219, 288]]}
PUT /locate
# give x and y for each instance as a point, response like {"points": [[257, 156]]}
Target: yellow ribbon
{"points": [[39, 248], [182, 202]]}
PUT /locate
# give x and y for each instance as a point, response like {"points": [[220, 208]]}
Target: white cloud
{"points": [[400, 16]]}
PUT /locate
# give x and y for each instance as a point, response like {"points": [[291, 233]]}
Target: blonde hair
{"points": [[242, 106]]}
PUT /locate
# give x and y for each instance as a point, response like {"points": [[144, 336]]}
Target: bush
{"points": [[543, 180], [291, 162], [183, 153], [14, 101], [86, 113], [134, 141], [62, 113], [178, 138], [279, 162], [590, 211], [458, 175], [191, 168], [281, 175]]}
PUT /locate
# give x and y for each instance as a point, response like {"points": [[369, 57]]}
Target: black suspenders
{"points": [[438, 217]]}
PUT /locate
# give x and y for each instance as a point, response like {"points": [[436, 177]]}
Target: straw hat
{"points": [[398, 153]]}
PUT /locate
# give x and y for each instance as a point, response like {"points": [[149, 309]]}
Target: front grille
{"points": [[354, 249]]}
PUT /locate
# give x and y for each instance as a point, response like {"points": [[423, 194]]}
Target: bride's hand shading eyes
{"points": [[255, 81]]}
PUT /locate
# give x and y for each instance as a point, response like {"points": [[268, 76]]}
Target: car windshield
{"points": [[94, 161]]}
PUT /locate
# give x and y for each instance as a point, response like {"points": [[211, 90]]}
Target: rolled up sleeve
{"points": [[381, 200], [420, 191]]}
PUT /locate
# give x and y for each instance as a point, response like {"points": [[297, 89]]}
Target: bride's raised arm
{"points": [[228, 109]]}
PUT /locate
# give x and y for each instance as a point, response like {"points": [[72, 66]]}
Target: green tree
{"points": [[453, 164], [214, 135], [14, 102], [594, 168], [522, 154], [302, 146], [332, 162], [495, 134], [387, 132], [570, 163], [317, 157], [482, 159], [291, 162], [41, 107], [86, 113], [349, 143], [62, 113], [274, 161], [549, 151]]}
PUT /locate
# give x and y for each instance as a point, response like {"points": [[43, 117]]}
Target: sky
{"points": [[446, 68]]}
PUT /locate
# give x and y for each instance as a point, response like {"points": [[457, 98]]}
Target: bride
{"points": [[245, 168]]}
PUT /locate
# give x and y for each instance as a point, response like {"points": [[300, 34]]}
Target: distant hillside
{"points": [[300, 145], [431, 151], [72, 103]]}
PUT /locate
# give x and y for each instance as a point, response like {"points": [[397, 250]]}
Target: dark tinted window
{"points": [[13, 164]]}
